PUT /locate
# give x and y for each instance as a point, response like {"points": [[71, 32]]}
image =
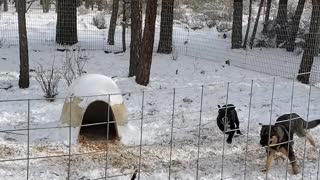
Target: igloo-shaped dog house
{"points": [[93, 102]]}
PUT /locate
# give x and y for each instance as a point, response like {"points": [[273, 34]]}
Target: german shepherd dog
{"points": [[228, 121], [281, 134]]}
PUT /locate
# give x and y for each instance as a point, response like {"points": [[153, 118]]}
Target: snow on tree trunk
{"points": [[166, 27], [248, 26], [281, 28], [66, 30], [23, 45], [294, 27], [113, 22], [236, 39], [312, 44], [143, 74], [254, 31], [136, 33]]}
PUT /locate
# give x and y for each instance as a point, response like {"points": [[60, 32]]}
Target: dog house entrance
{"points": [[94, 123]]}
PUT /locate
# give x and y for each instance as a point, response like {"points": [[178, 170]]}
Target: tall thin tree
{"points": [[23, 45], [282, 21], [66, 30], [248, 26], [113, 22], [267, 17], [236, 37], [143, 74], [254, 31], [294, 26], [166, 27], [136, 35], [312, 44]]}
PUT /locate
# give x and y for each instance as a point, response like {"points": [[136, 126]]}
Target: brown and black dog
{"points": [[281, 134]]}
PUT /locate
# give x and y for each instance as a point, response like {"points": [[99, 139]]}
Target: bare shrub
{"points": [[48, 80], [73, 65]]}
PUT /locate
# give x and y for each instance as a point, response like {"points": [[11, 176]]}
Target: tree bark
{"points": [[23, 45], [254, 31], [143, 74], [113, 22], [294, 27], [282, 22], [5, 5], [124, 25], [166, 27], [66, 30], [236, 37], [136, 35], [248, 26], [267, 17], [312, 44]]}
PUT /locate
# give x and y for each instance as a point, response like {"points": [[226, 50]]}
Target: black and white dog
{"points": [[228, 121]]}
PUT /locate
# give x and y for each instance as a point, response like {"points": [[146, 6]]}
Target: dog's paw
{"points": [[264, 170], [229, 141]]}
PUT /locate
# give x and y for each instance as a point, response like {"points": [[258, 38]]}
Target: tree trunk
{"points": [[248, 26], [267, 17], [166, 27], [5, 5], [124, 25], [66, 30], [282, 22], [23, 45], [312, 44], [236, 39], [254, 31], [100, 5], [136, 30], [87, 4], [143, 74], [294, 27], [113, 22], [45, 5]]}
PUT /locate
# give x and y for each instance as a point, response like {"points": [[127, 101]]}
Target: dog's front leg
{"points": [[270, 158]]}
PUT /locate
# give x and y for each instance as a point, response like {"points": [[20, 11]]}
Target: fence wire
{"points": [[181, 140]]}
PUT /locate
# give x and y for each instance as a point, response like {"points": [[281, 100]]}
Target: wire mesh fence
{"points": [[170, 134], [201, 29]]}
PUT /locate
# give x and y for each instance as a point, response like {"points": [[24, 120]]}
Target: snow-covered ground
{"points": [[200, 63]]}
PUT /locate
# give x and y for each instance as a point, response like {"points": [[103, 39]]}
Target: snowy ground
{"points": [[200, 61]]}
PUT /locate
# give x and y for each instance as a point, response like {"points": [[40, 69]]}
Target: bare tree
{"points": [[166, 27], [294, 26], [45, 5], [248, 26], [254, 31], [282, 22], [124, 24], [66, 30], [312, 44], [267, 17], [113, 22], [143, 73], [23, 45], [136, 35], [236, 37]]}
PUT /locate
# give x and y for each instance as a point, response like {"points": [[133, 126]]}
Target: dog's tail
{"points": [[311, 124]]}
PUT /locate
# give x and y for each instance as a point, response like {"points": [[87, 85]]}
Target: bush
{"points": [[48, 80], [99, 21]]}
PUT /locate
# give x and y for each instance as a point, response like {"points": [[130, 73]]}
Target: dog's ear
{"points": [[219, 106], [260, 124]]}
